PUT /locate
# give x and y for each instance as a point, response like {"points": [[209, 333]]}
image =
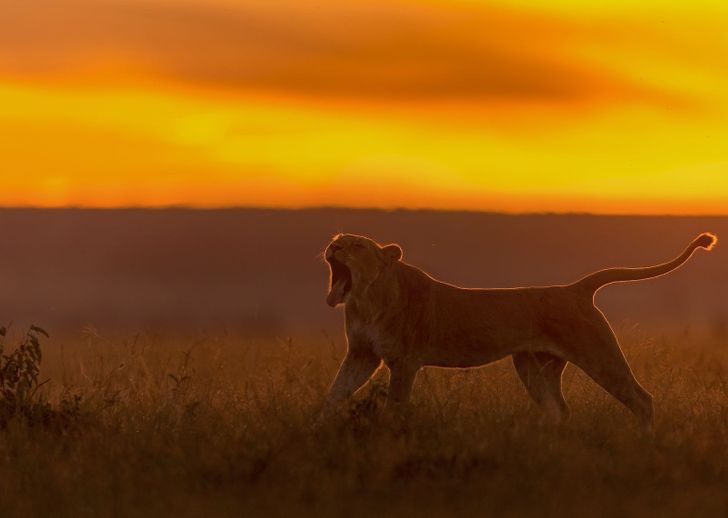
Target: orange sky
{"points": [[565, 105]]}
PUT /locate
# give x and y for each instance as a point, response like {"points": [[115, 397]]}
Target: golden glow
{"points": [[523, 106]]}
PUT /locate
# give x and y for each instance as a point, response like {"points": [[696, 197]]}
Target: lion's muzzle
{"points": [[340, 279]]}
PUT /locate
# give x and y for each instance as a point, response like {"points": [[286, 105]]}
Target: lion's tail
{"points": [[597, 280]]}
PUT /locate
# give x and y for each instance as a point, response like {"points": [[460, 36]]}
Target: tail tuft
{"points": [[707, 241]]}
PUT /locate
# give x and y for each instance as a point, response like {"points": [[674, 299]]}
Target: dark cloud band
{"points": [[371, 51]]}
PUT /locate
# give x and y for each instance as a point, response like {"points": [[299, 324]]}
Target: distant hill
{"points": [[257, 271]]}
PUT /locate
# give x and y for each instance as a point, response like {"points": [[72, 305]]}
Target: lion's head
{"points": [[355, 263]]}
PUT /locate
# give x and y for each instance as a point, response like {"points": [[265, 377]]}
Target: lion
{"points": [[398, 315]]}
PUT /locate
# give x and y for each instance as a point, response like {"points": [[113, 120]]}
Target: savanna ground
{"points": [[219, 425]]}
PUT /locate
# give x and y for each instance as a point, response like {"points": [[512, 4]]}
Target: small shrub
{"points": [[19, 384]]}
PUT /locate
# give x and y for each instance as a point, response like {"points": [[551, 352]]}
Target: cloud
{"points": [[376, 51]]}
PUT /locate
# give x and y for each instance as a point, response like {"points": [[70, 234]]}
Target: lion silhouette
{"points": [[397, 314]]}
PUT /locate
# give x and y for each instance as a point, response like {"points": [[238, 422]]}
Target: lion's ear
{"points": [[392, 252]]}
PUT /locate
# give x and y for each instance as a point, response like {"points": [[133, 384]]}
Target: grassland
{"points": [[220, 426]]}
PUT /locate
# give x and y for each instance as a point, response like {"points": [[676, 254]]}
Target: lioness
{"points": [[399, 315]]}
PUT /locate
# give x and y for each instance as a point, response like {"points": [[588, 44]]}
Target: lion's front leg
{"points": [[401, 378], [355, 370]]}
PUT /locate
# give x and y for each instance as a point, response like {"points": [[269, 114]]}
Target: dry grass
{"points": [[219, 426]]}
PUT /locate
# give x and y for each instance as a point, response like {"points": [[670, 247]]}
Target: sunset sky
{"points": [[563, 105]]}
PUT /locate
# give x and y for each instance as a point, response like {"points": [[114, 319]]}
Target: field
{"points": [[174, 390], [220, 425]]}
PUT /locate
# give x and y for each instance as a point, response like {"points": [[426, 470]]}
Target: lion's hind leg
{"points": [[541, 373], [596, 351]]}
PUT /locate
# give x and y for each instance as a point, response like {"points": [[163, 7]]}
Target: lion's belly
{"points": [[481, 341], [455, 347], [460, 352]]}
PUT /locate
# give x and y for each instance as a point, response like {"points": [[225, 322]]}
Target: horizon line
{"points": [[221, 208]]}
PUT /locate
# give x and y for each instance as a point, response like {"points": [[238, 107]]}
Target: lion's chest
{"points": [[382, 342]]}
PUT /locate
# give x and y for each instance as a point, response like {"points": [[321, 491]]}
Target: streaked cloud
{"points": [[392, 50]]}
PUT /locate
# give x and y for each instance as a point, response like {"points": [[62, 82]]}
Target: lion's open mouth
{"points": [[340, 282]]}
